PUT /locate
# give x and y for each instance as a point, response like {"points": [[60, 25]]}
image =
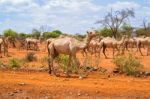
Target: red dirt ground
{"points": [[23, 84]]}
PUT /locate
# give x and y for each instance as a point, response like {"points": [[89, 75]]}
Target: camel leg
{"points": [[69, 64], [77, 63], [99, 51], [113, 51], [139, 48], [51, 67], [0, 51], [49, 64], [104, 48], [148, 48]]}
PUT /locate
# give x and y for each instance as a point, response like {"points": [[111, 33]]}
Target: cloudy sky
{"points": [[69, 16]]}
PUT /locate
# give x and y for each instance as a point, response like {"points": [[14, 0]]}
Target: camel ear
{"points": [[87, 32]]}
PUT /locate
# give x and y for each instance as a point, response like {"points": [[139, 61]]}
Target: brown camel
{"points": [[67, 46]]}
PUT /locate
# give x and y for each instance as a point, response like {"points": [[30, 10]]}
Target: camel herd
{"points": [[70, 46]]}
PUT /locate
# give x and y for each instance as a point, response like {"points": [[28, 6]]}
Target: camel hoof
{"points": [[50, 72], [68, 76]]}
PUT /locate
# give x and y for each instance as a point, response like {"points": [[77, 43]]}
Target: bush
{"points": [[79, 37], [105, 32], [23, 35], [63, 60], [30, 57], [36, 33], [1, 63], [14, 63], [10, 33], [52, 34], [129, 65]]}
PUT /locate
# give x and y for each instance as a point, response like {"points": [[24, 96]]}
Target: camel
{"points": [[48, 41], [33, 42], [130, 42], [67, 46], [94, 45], [3, 43], [142, 41], [113, 43], [11, 41]]}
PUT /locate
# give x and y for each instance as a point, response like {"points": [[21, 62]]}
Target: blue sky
{"points": [[69, 16]]}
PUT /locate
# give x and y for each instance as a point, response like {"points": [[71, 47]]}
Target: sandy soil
{"points": [[21, 84]]}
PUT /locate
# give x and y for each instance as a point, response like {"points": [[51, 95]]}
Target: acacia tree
{"points": [[115, 19], [146, 25]]}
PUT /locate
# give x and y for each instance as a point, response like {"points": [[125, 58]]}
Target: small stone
{"points": [[15, 91], [108, 76], [11, 94], [80, 77], [22, 84], [147, 73], [97, 91], [95, 83], [87, 94], [79, 94], [27, 98]]}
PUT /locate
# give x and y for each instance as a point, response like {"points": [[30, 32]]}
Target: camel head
{"points": [[91, 34]]}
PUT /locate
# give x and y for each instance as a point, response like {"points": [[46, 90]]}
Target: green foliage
{"points": [[142, 31], [1, 63], [30, 57], [52, 34], [126, 29], [24, 35], [57, 32], [127, 64], [63, 60], [14, 63], [36, 33], [44, 59], [10, 33], [105, 32], [79, 37]]}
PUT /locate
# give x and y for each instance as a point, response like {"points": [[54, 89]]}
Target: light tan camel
{"points": [[94, 45], [130, 42], [145, 41], [109, 42], [48, 41], [4, 45], [67, 46], [33, 42]]}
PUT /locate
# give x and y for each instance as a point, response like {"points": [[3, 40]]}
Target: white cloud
{"points": [[67, 15], [122, 5]]}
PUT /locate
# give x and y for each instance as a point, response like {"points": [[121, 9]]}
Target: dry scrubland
{"points": [[33, 81]]}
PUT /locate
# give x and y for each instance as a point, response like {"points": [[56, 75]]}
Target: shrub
{"points": [[30, 57], [79, 37], [36, 33], [105, 32], [10, 33], [52, 34], [14, 63], [127, 64], [1, 63], [63, 60]]}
